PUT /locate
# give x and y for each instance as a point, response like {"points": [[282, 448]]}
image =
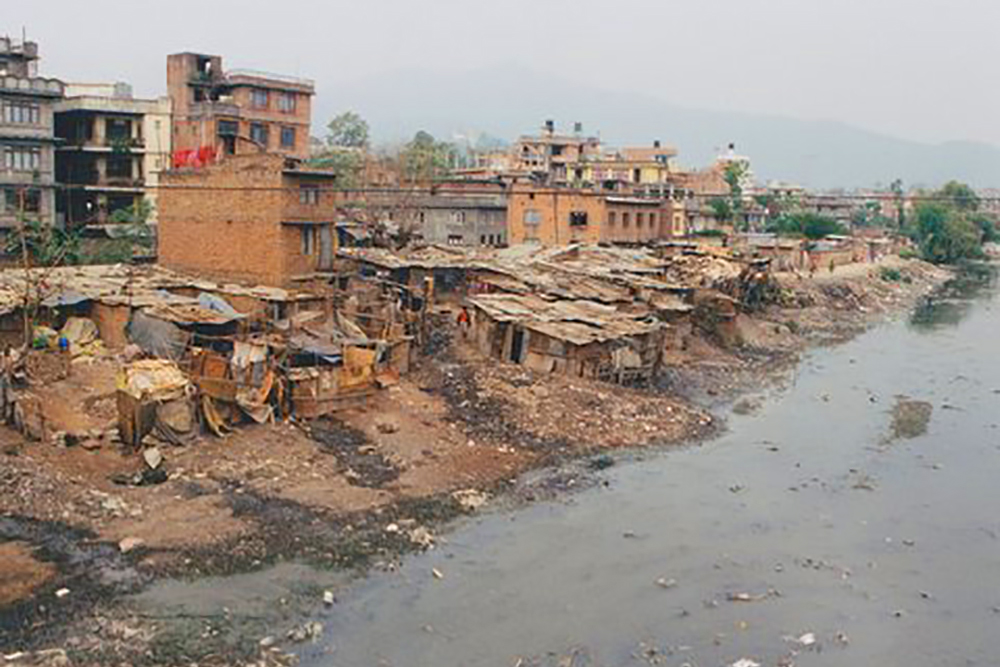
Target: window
{"points": [[625, 220], [482, 239], [611, 218], [308, 194], [532, 216], [32, 200], [638, 220], [119, 167], [288, 137], [458, 217], [22, 158], [578, 218], [286, 103], [636, 175], [308, 236], [455, 239], [21, 113], [258, 98], [117, 130], [228, 128], [258, 133], [652, 220]]}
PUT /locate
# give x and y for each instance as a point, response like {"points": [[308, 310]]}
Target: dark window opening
{"points": [[578, 218], [258, 133], [258, 99], [308, 194], [288, 137]]}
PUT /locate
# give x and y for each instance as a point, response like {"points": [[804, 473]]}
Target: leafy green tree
{"points": [[945, 235], [722, 210], [348, 165], [347, 130], [734, 174], [810, 225], [425, 159], [46, 245], [960, 196]]}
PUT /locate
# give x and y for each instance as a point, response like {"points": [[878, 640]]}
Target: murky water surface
{"points": [[812, 515]]}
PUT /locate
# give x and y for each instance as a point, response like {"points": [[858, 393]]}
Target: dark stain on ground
{"points": [[93, 572], [357, 455], [482, 416]]}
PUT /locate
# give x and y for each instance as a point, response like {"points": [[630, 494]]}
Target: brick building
{"points": [[251, 219], [219, 113], [27, 155], [559, 216]]}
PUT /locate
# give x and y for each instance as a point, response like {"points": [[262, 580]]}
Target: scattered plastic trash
{"points": [[438, 574], [745, 662], [663, 582], [328, 598], [62, 592], [131, 544]]}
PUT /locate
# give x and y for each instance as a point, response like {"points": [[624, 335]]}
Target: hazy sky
{"points": [[918, 69]]}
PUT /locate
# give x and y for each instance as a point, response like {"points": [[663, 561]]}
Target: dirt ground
{"points": [[326, 491]]}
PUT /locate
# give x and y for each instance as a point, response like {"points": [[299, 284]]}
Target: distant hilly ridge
{"points": [[506, 101]]}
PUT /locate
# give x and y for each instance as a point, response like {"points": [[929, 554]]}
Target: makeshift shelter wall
{"points": [[12, 329], [111, 322]]}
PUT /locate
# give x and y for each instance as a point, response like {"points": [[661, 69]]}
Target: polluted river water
{"points": [[818, 530]]}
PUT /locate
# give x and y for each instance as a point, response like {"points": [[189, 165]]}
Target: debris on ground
{"points": [[910, 418]]}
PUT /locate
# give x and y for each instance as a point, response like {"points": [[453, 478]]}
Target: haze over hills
{"points": [[505, 101]]}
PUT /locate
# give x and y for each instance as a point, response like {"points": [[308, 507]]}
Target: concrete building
{"points": [[560, 216], [635, 166], [547, 156], [250, 219], [463, 220], [27, 154], [218, 113], [112, 150]]}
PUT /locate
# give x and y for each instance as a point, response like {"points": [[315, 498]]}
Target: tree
{"points": [[897, 189], [961, 196], [722, 210], [949, 228], [734, 174], [347, 130], [46, 245], [425, 159], [810, 225]]}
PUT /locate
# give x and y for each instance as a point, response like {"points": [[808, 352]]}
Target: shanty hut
{"points": [[581, 338]]}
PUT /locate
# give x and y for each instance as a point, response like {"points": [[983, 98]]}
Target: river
{"points": [[807, 534]]}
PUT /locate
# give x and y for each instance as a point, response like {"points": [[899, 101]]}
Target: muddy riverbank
{"points": [[290, 510]]}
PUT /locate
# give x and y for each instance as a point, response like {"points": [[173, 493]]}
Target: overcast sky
{"points": [[918, 69]]}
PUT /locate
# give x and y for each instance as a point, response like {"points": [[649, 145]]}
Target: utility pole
{"points": [[26, 264]]}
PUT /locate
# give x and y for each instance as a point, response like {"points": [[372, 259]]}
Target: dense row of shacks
{"points": [[194, 352], [225, 353]]}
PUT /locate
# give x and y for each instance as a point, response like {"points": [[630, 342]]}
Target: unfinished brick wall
{"points": [[209, 226], [241, 220]]}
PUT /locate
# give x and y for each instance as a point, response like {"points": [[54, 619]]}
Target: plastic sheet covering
{"points": [[153, 380], [81, 333], [218, 304], [64, 298], [157, 337]]}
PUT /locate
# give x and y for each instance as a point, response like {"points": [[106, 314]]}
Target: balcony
{"points": [[32, 86], [210, 109]]}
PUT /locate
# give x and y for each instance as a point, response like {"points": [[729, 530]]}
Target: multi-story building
{"points": [[548, 156], [111, 151], [627, 167], [218, 113], [559, 216], [466, 219], [27, 155], [250, 218]]}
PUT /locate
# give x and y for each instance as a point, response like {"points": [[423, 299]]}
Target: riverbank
{"points": [[346, 496]]}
